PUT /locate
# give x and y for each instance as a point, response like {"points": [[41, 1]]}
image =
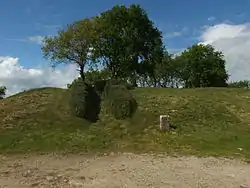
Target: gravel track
{"points": [[123, 170]]}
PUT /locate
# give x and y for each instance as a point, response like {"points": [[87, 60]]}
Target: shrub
{"points": [[100, 84], [111, 83], [240, 84], [119, 102], [121, 82], [84, 101], [2, 91]]}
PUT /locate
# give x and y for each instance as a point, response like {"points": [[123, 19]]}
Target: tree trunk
{"points": [[82, 72], [155, 81], [134, 80]]}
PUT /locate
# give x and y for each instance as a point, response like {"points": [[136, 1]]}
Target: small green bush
{"points": [[119, 102], [110, 83], [100, 85], [121, 82], [240, 84], [2, 91], [84, 101]]}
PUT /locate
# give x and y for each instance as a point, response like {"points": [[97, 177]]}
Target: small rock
{"points": [[82, 177], [231, 175], [26, 174], [243, 186], [49, 178], [66, 180], [122, 169], [34, 184], [5, 172], [75, 183]]}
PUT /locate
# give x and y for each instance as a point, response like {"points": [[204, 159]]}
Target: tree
{"points": [[240, 84], [97, 75], [202, 66], [126, 38], [71, 45], [165, 71], [2, 91]]}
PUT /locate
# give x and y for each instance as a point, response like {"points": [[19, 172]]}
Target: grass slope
{"points": [[211, 121]]}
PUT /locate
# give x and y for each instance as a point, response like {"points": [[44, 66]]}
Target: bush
{"points": [[240, 84], [119, 102], [2, 91], [100, 84], [84, 101], [121, 82], [111, 83]]}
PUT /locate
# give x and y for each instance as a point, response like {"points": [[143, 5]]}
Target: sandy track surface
{"points": [[124, 170]]}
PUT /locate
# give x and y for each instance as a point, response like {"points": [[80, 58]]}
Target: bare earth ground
{"points": [[123, 170]]}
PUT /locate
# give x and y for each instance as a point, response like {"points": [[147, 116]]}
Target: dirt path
{"points": [[126, 170]]}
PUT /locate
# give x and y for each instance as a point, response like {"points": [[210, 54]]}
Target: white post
{"points": [[164, 125]]}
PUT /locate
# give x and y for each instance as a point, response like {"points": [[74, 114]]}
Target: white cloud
{"points": [[234, 42], [18, 78], [36, 39], [211, 18], [173, 34]]}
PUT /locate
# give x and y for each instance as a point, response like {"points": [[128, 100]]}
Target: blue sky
{"points": [[183, 23]]}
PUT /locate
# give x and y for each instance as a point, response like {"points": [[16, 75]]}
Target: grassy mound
{"points": [[212, 121]]}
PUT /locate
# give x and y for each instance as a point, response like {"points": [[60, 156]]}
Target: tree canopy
{"points": [[202, 66], [123, 43], [127, 37], [71, 45]]}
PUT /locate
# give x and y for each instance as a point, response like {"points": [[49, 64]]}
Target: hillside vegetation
{"points": [[210, 121], [125, 76]]}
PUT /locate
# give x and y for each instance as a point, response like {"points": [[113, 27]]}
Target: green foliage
{"points": [[2, 91], [114, 82], [119, 102], [125, 42], [99, 83], [167, 72], [120, 82], [84, 101], [240, 84], [85, 98], [71, 45], [125, 37], [93, 76], [202, 66]]}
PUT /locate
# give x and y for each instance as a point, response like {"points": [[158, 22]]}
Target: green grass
{"points": [[211, 121]]}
